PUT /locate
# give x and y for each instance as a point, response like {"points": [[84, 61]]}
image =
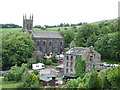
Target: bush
{"points": [[15, 73], [36, 72], [48, 62], [30, 62], [53, 58], [113, 76], [80, 67], [30, 80]]}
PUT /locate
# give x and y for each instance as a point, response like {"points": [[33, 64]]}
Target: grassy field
{"points": [[4, 31], [9, 84]]}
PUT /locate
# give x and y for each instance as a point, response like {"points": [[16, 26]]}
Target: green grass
{"points": [[4, 31], [9, 84]]}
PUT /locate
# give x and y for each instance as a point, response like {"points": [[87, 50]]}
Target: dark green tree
{"points": [[80, 66], [17, 48], [68, 35]]}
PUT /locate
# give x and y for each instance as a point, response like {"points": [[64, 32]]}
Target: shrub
{"points": [[113, 76], [15, 73], [30, 80], [54, 59], [48, 62], [36, 72], [80, 67]]}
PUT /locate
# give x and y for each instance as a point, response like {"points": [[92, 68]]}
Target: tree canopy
{"points": [[16, 48]]}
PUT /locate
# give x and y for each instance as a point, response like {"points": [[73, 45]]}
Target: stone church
{"points": [[46, 41]]}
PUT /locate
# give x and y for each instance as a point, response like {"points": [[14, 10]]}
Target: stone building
{"points": [[27, 23], [88, 54], [46, 41]]}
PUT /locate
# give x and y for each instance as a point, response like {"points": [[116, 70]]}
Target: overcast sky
{"points": [[53, 12]]}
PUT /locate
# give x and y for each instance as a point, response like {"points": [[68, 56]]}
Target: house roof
{"points": [[44, 78], [47, 78], [46, 34], [77, 50]]}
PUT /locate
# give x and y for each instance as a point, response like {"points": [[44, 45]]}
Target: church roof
{"points": [[46, 34]]}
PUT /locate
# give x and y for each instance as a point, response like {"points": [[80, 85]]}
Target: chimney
{"points": [[91, 48]]}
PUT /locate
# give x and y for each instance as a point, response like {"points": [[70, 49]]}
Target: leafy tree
{"points": [[108, 46], [68, 35], [72, 83], [113, 75], [91, 40], [17, 48], [103, 81], [30, 80], [85, 32], [15, 73], [92, 80], [80, 67], [105, 30], [36, 72]]}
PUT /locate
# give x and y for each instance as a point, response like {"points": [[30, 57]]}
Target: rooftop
{"points": [[47, 78], [46, 34], [77, 50]]}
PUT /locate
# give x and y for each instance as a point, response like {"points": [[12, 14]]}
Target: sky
{"points": [[54, 12]]}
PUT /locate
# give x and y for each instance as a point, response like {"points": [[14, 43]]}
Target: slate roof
{"points": [[46, 34], [77, 50], [47, 78]]}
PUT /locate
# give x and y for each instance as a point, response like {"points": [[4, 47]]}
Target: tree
{"points": [[68, 35], [30, 80], [113, 75], [103, 81], [80, 67], [17, 48], [15, 73], [92, 80], [91, 40], [72, 83], [108, 46]]}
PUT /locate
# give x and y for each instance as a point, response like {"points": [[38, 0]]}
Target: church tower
{"points": [[27, 23]]}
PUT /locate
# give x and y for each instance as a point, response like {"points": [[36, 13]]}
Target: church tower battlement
{"points": [[27, 23]]}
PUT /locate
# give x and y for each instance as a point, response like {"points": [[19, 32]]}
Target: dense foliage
{"points": [[53, 58], [16, 48], [80, 67], [30, 80], [105, 79], [15, 73], [68, 35]]}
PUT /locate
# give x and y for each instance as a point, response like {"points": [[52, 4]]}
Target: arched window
{"points": [[67, 57], [71, 57], [60, 43], [50, 43], [44, 43]]}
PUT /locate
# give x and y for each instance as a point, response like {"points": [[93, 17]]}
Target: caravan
{"points": [[38, 66]]}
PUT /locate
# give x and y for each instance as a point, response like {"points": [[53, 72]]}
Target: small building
{"points": [[38, 66], [67, 77], [88, 54], [48, 80]]}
